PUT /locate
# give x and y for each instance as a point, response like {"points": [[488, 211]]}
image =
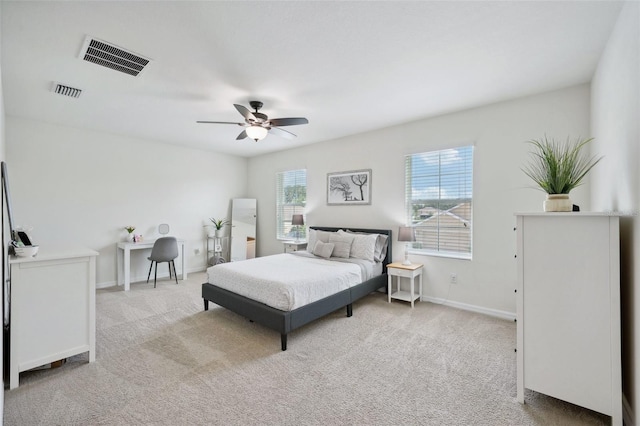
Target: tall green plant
{"points": [[558, 167]]}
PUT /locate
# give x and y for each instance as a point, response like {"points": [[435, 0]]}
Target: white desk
{"points": [[126, 248]]}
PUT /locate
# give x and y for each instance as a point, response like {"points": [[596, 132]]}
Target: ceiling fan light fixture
{"points": [[257, 125], [256, 132]]}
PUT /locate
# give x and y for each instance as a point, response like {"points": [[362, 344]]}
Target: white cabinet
{"points": [[52, 305], [568, 309]]}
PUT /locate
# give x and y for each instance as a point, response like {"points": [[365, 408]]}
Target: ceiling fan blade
{"points": [[248, 115], [281, 132], [242, 135], [288, 121], [221, 122]]}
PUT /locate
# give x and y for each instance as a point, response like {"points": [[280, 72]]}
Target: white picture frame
{"points": [[349, 188]]}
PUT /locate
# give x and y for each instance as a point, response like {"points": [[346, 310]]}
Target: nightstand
{"points": [[398, 270], [291, 246]]}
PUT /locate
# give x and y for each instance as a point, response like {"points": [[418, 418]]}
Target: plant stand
{"points": [[216, 247]]}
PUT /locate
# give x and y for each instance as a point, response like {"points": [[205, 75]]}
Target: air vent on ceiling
{"points": [[111, 56], [65, 90]]}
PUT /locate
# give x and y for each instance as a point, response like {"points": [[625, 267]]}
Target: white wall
{"points": [[84, 187], [500, 188], [616, 185]]}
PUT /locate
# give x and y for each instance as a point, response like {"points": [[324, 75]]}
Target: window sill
{"points": [[445, 254]]}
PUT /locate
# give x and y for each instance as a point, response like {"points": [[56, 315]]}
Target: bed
{"points": [[296, 314]]}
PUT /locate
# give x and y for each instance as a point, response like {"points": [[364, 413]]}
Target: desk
{"points": [[126, 248]]}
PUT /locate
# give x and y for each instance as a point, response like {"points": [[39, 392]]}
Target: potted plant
{"points": [[218, 224], [557, 168], [129, 230]]}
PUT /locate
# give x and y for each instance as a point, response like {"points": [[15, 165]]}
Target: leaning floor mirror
{"points": [[243, 228]]}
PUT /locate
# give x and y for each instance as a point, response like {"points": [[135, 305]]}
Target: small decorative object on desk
{"points": [[129, 229], [137, 238], [25, 251], [163, 229], [557, 168]]}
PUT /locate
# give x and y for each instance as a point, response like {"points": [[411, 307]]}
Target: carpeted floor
{"points": [[162, 360]]}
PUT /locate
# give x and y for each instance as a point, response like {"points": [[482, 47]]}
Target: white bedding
{"points": [[291, 280]]}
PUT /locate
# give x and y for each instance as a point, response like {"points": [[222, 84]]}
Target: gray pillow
{"points": [[380, 251], [381, 248], [363, 246], [314, 236], [342, 243], [323, 249]]}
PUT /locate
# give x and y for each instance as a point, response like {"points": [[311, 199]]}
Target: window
{"points": [[438, 200], [291, 197]]}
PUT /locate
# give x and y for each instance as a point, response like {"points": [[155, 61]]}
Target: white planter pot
{"points": [[558, 203]]}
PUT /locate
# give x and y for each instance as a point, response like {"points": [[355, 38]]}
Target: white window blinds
{"points": [[291, 197], [439, 201]]}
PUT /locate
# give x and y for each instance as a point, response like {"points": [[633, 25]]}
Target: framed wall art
{"points": [[349, 188]]}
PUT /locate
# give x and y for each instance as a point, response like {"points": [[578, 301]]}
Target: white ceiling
{"points": [[349, 67]]}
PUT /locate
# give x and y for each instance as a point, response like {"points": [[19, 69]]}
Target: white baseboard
{"points": [[473, 308], [106, 284], [627, 413]]}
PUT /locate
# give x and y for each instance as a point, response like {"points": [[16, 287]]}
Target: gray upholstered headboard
{"points": [[388, 258]]}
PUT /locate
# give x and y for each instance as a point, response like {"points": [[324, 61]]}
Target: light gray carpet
{"points": [[162, 360]]}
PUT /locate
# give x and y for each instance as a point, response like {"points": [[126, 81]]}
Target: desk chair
{"points": [[165, 249]]}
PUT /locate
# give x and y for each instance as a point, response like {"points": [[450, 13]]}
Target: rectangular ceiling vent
{"points": [[65, 90], [111, 56]]}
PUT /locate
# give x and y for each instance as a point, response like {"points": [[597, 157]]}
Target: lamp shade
{"points": [[256, 132], [406, 233], [297, 219]]}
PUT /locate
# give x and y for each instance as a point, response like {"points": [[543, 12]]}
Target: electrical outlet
{"points": [[453, 278]]}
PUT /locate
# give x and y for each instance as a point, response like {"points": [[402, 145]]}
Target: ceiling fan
{"points": [[257, 124]]}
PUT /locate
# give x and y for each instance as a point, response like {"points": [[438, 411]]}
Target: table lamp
{"points": [[406, 234], [297, 220]]}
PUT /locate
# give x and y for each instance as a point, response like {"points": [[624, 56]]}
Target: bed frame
{"points": [[287, 321]]}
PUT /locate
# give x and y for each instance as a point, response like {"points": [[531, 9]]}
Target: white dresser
{"points": [[568, 309], [52, 304]]}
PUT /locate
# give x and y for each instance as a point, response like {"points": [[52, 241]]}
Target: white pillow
{"points": [[342, 243], [380, 251], [311, 240], [314, 236], [363, 246], [381, 247], [323, 249]]}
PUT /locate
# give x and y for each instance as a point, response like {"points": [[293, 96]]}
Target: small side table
{"points": [[398, 270], [291, 246]]}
